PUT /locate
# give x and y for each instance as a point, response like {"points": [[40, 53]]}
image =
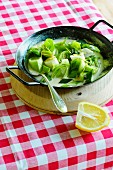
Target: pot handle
{"points": [[9, 70], [98, 22]]}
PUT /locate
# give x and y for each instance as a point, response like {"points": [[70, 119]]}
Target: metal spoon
{"points": [[57, 100]]}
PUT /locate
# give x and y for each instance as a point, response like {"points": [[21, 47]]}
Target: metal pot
{"points": [[72, 32]]}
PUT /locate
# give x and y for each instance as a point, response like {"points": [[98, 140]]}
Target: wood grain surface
{"points": [[106, 9]]}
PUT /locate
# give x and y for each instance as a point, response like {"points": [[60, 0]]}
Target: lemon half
{"points": [[91, 117]]}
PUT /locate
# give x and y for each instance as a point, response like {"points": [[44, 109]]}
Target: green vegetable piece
{"points": [[88, 76], [60, 71], [45, 69], [76, 45], [34, 52], [91, 47], [72, 74], [51, 62], [91, 68], [35, 63], [48, 44], [46, 53], [65, 61], [106, 63], [75, 56], [63, 55], [78, 65], [47, 48], [61, 46]]}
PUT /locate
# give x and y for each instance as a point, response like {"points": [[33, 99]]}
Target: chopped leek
{"points": [[71, 62]]}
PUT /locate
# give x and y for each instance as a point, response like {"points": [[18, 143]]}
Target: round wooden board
{"points": [[39, 98]]}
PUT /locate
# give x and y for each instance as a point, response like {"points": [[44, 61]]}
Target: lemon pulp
{"points": [[91, 117]]}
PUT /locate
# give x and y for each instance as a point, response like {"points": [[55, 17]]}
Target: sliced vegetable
{"points": [[36, 63], [70, 62], [51, 62], [91, 47], [61, 70]]}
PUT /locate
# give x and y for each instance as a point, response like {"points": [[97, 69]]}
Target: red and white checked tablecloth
{"points": [[34, 140]]}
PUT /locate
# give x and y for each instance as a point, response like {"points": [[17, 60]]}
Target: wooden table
{"points": [[106, 8]]}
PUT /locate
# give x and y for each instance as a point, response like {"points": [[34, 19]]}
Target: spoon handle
{"points": [[59, 103]]}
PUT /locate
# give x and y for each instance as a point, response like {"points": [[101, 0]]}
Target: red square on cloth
{"points": [[9, 23], [23, 20], [2, 7], [43, 25], [23, 138], [68, 143], [66, 12], [3, 86], [52, 15], [9, 158], [61, 4], [109, 151], [72, 160], [2, 43], [88, 138], [47, 7], [19, 12], [108, 165], [91, 155], [4, 143], [5, 15], [36, 119], [53, 164], [12, 111], [17, 124], [42, 133], [39, 17], [49, 148], [17, 40], [15, 5], [29, 153], [7, 98], [6, 52], [1, 128], [107, 133], [61, 128], [28, 28], [12, 31], [34, 10]]}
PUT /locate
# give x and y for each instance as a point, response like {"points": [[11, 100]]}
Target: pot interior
{"points": [[71, 32]]}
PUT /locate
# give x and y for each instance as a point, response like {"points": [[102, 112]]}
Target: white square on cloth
{"points": [[42, 159], [5, 119], [36, 143], [49, 124], [62, 154], [100, 144], [82, 165], [2, 106], [10, 133], [81, 149], [30, 128], [67, 119], [24, 115], [55, 138], [101, 160], [16, 148]]}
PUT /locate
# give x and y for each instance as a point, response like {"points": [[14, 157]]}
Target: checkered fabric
{"points": [[39, 141]]}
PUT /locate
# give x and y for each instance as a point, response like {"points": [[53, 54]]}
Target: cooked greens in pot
{"points": [[66, 63]]}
